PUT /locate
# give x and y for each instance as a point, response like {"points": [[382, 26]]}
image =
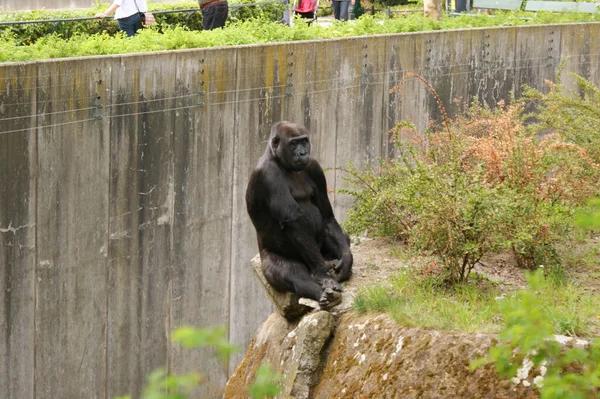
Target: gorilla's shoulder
{"points": [[266, 168], [314, 167]]}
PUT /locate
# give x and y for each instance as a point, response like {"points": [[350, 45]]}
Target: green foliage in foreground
{"points": [[568, 372], [413, 298], [255, 31], [162, 385]]}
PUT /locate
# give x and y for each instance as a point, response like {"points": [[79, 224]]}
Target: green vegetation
{"points": [[568, 372], [497, 181], [414, 299], [29, 33], [484, 182], [162, 385], [31, 42]]}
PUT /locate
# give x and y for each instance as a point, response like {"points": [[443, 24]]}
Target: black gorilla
{"points": [[295, 226]]}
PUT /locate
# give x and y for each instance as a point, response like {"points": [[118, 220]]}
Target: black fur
{"points": [[297, 232]]}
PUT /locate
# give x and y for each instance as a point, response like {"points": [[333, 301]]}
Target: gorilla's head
{"points": [[289, 145]]}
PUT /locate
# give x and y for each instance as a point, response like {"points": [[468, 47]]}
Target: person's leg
{"points": [[221, 12], [137, 22], [215, 15], [286, 18], [344, 5], [131, 24], [336, 8], [208, 16]]}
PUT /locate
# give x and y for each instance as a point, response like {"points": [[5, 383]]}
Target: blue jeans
{"points": [[130, 24], [340, 9], [215, 15]]}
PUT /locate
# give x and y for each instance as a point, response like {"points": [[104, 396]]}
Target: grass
{"points": [[416, 301]]}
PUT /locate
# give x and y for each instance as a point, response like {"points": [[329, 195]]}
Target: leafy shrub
{"points": [[425, 198], [27, 34], [572, 112], [565, 372], [475, 184], [552, 176]]}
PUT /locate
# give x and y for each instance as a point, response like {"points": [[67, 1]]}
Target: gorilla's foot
{"points": [[330, 298], [331, 283]]}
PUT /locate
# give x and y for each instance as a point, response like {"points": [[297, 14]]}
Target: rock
{"points": [[294, 349], [372, 357], [286, 303], [306, 342]]}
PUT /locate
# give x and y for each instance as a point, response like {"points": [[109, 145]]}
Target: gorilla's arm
{"points": [[292, 221], [337, 243]]}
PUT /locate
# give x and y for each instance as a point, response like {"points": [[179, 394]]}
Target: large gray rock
{"points": [[294, 349], [302, 359], [373, 357], [286, 303]]}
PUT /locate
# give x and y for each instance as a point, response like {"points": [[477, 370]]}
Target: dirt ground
{"points": [[377, 259]]}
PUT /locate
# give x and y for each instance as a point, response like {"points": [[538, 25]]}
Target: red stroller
{"points": [[307, 9]]}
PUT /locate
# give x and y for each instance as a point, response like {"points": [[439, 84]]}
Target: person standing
{"points": [[214, 13], [127, 13], [340, 9]]}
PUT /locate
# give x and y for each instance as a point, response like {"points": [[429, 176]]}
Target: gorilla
{"points": [[298, 235]]}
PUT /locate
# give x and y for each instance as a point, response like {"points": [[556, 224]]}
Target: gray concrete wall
{"points": [[21, 5], [122, 183]]}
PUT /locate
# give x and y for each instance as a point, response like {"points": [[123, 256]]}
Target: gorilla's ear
{"points": [[275, 142]]}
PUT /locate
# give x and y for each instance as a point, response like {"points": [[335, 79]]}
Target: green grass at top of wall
{"points": [[256, 32], [414, 301]]}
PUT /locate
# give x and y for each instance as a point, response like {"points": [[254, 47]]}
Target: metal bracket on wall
{"points": [[201, 92], [290, 75], [365, 55], [97, 106], [551, 46], [428, 60]]}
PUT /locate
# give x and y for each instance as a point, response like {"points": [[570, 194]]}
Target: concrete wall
{"points": [[19, 5], [122, 183]]}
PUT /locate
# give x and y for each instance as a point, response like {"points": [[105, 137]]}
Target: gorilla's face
{"points": [[299, 152], [290, 145]]}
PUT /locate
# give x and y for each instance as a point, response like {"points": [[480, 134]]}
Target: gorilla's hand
{"points": [[332, 264], [343, 268]]}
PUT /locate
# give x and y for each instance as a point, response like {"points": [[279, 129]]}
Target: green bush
{"points": [[426, 199], [30, 33], [565, 372], [574, 113], [475, 184]]}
